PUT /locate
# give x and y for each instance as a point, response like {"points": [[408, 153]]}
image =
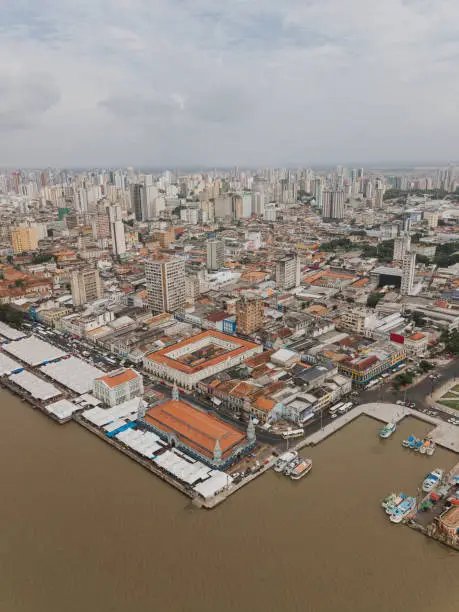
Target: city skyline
{"points": [[166, 84]]}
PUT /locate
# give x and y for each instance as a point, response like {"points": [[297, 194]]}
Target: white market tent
{"points": [[38, 388], [33, 351], [189, 471], [63, 409], [73, 373], [146, 443], [7, 365], [102, 416], [9, 332], [216, 483]]}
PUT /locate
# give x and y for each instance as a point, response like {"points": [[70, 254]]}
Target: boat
{"points": [[300, 470], [431, 448], [410, 440], [291, 466], [403, 510], [432, 480], [389, 500], [284, 459], [387, 430], [397, 501], [423, 447], [413, 442], [418, 445]]}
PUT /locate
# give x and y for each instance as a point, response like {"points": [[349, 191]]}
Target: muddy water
{"points": [[85, 529]]}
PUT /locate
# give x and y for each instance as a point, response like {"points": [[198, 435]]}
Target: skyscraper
{"points": [[288, 273], [165, 284], [86, 286], [138, 200], [402, 245], [333, 204], [215, 254], [408, 268], [117, 230]]}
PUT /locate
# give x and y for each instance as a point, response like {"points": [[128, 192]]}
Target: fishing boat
{"points": [[300, 470], [418, 446], [397, 501], [410, 440], [423, 447], [413, 442], [291, 465], [403, 510], [284, 459], [432, 480], [431, 448], [387, 430]]}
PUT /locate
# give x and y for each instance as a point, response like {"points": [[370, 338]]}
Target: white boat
{"points": [[423, 448], [300, 470], [291, 466], [432, 480], [403, 510], [398, 500], [387, 430], [389, 500], [285, 459], [431, 448]]}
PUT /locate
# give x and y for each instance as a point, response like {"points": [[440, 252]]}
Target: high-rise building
{"points": [[138, 200], [165, 284], [402, 245], [249, 315], [431, 217], [117, 230], [318, 191], [86, 286], [215, 254], [408, 269], [333, 204], [379, 197], [288, 274], [24, 239]]}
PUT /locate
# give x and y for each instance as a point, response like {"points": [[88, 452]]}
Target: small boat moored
{"points": [[397, 501], [300, 470], [403, 510], [432, 480], [291, 466], [408, 442], [431, 448], [387, 430], [285, 459]]}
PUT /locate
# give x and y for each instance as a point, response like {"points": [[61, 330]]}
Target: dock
{"points": [[444, 434]]}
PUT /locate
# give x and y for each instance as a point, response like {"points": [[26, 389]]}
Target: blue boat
{"points": [[409, 442], [418, 445], [413, 442]]}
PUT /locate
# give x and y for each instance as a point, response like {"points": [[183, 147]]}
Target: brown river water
{"points": [[86, 529]]}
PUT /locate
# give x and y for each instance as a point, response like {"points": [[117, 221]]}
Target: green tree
{"points": [[426, 366], [19, 282], [373, 299]]}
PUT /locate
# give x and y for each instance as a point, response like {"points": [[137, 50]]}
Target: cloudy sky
{"points": [[225, 82]]}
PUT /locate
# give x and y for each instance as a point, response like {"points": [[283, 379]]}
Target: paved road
{"points": [[417, 393]]}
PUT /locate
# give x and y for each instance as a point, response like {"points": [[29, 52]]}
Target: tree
{"points": [[426, 366], [373, 299], [422, 259], [19, 282]]}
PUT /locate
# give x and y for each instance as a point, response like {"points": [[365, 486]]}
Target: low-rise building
{"points": [[118, 386], [373, 362]]}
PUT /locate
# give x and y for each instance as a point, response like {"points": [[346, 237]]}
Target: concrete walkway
{"points": [[443, 434]]}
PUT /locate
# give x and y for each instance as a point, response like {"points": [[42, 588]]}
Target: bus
{"points": [[345, 407], [292, 433], [333, 412]]}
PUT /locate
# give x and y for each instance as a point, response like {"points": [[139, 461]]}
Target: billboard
{"points": [[397, 338]]}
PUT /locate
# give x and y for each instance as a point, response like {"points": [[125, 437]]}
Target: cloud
{"points": [[168, 82], [23, 100]]}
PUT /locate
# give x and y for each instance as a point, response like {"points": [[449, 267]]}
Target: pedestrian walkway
{"points": [[443, 434]]}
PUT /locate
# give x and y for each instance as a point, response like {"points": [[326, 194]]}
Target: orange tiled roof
{"points": [[118, 379], [417, 336], [196, 428], [161, 356]]}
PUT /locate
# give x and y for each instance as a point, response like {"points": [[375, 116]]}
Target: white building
{"points": [[432, 218], [118, 387], [165, 284], [117, 230], [288, 274], [408, 269], [402, 245]]}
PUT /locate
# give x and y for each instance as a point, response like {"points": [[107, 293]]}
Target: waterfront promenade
{"points": [[444, 434]]}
